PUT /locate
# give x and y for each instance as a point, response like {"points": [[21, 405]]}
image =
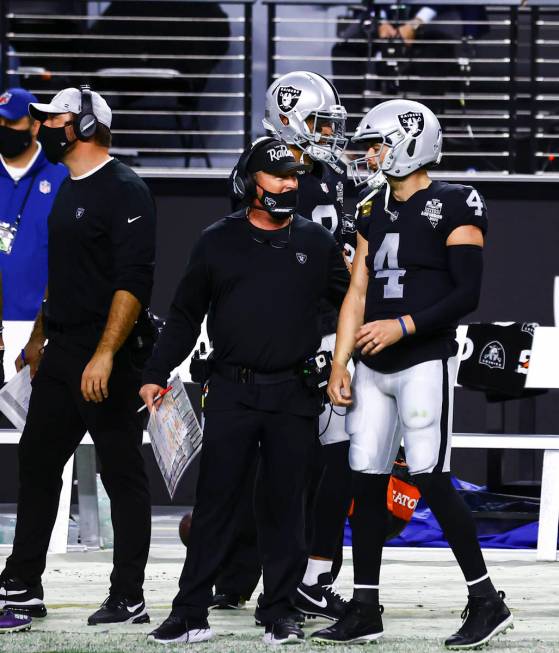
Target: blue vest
{"points": [[24, 270]]}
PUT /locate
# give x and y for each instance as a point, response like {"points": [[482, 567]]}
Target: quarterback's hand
{"points": [[148, 392], [95, 377], [33, 352], [339, 385], [376, 336]]}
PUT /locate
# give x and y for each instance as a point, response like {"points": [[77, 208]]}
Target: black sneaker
{"points": [[18, 597], [176, 629], [483, 618], [298, 618], [283, 631], [361, 623], [320, 600], [116, 610], [222, 601]]}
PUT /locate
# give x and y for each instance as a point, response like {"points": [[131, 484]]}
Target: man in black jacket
{"points": [[260, 274]]}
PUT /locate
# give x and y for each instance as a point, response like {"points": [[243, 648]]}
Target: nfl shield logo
{"points": [[288, 96], [79, 213], [412, 122], [44, 186], [5, 98], [301, 258]]}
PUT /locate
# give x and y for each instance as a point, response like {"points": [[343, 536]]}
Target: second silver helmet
{"points": [[295, 97], [409, 129]]}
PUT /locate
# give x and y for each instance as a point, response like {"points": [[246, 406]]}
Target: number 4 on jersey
{"points": [[475, 202], [388, 251]]}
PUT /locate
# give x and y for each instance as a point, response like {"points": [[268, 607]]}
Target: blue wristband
{"points": [[403, 325]]}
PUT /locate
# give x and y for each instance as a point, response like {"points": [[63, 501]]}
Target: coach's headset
{"points": [[85, 123], [242, 186]]}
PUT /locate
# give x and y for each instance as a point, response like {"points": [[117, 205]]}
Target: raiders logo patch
{"points": [[529, 327], [288, 96], [412, 122], [493, 355], [301, 258], [79, 213]]}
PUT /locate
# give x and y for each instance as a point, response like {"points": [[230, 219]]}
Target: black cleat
{"points": [[283, 631], [320, 600], [174, 629], [116, 610], [483, 618], [297, 617], [20, 598], [222, 601], [361, 623]]}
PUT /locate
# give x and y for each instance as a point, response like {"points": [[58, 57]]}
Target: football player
{"points": [[417, 271], [303, 109]]}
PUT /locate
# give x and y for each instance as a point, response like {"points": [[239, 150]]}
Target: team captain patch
{"points": [[433, 210]]}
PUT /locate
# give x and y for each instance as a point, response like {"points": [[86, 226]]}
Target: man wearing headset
{"points": [[303, 110], [260, 274], [100, 274]]}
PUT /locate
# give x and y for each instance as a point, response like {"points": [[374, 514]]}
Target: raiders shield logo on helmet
{"points": [[288, 96], [412, 122]]}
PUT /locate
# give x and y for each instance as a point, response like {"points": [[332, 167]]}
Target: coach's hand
{"points": [[339, 385], [95, 377], [148, 392], [33, 352], [376, 336]]}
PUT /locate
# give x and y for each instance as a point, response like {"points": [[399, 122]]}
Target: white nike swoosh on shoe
{"points": [[12, 592], [134, 607], [130, 220], [321, 604]]}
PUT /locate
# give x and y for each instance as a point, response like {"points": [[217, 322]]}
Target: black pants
{"points": [[232, 440], [241, 568], [57, 420]]}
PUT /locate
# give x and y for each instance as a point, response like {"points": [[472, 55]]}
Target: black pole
{"points": [[271, 65], [247, 77], [4, 44], [513, 86], [534, 34]]}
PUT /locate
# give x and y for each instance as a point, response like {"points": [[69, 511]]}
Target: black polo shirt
{"points": [[101, 239]]}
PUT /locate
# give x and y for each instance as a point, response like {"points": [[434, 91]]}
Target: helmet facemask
{"points": [[324, 147]]}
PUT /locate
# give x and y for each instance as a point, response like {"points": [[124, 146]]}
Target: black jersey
{"points": [[321, 199], [408, 266]]}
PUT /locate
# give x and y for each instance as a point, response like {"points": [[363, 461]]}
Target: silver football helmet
{"points": [[412, 133], [295, 97]]}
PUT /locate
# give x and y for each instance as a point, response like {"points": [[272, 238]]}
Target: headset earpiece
{"points": [[243, 186], [85, 123]]}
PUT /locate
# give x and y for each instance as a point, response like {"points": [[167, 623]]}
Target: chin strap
{"points": [[393, 215]]}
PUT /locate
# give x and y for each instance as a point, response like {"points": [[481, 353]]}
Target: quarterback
{"points": [[416, 272]]}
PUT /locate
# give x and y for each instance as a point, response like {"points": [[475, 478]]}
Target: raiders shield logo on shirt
{"points": [[412, 122], [288, 96]]}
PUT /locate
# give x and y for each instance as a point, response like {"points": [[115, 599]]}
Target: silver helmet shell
{"points": [[409, 129], [297, 96]]}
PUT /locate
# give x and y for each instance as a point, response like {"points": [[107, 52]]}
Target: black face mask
{"points": [[279, 205], [54, 142], [14, 142]]}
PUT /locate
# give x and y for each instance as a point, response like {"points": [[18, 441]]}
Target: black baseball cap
{"points": [[274, 157]]}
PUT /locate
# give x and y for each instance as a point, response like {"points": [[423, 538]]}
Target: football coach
{"points": [[101, 249], [260, 274]]}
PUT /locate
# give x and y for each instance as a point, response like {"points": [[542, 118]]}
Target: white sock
{"points": [[314, 569]]}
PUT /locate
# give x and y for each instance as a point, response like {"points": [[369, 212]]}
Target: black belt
{"points": [[238, 374]]}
